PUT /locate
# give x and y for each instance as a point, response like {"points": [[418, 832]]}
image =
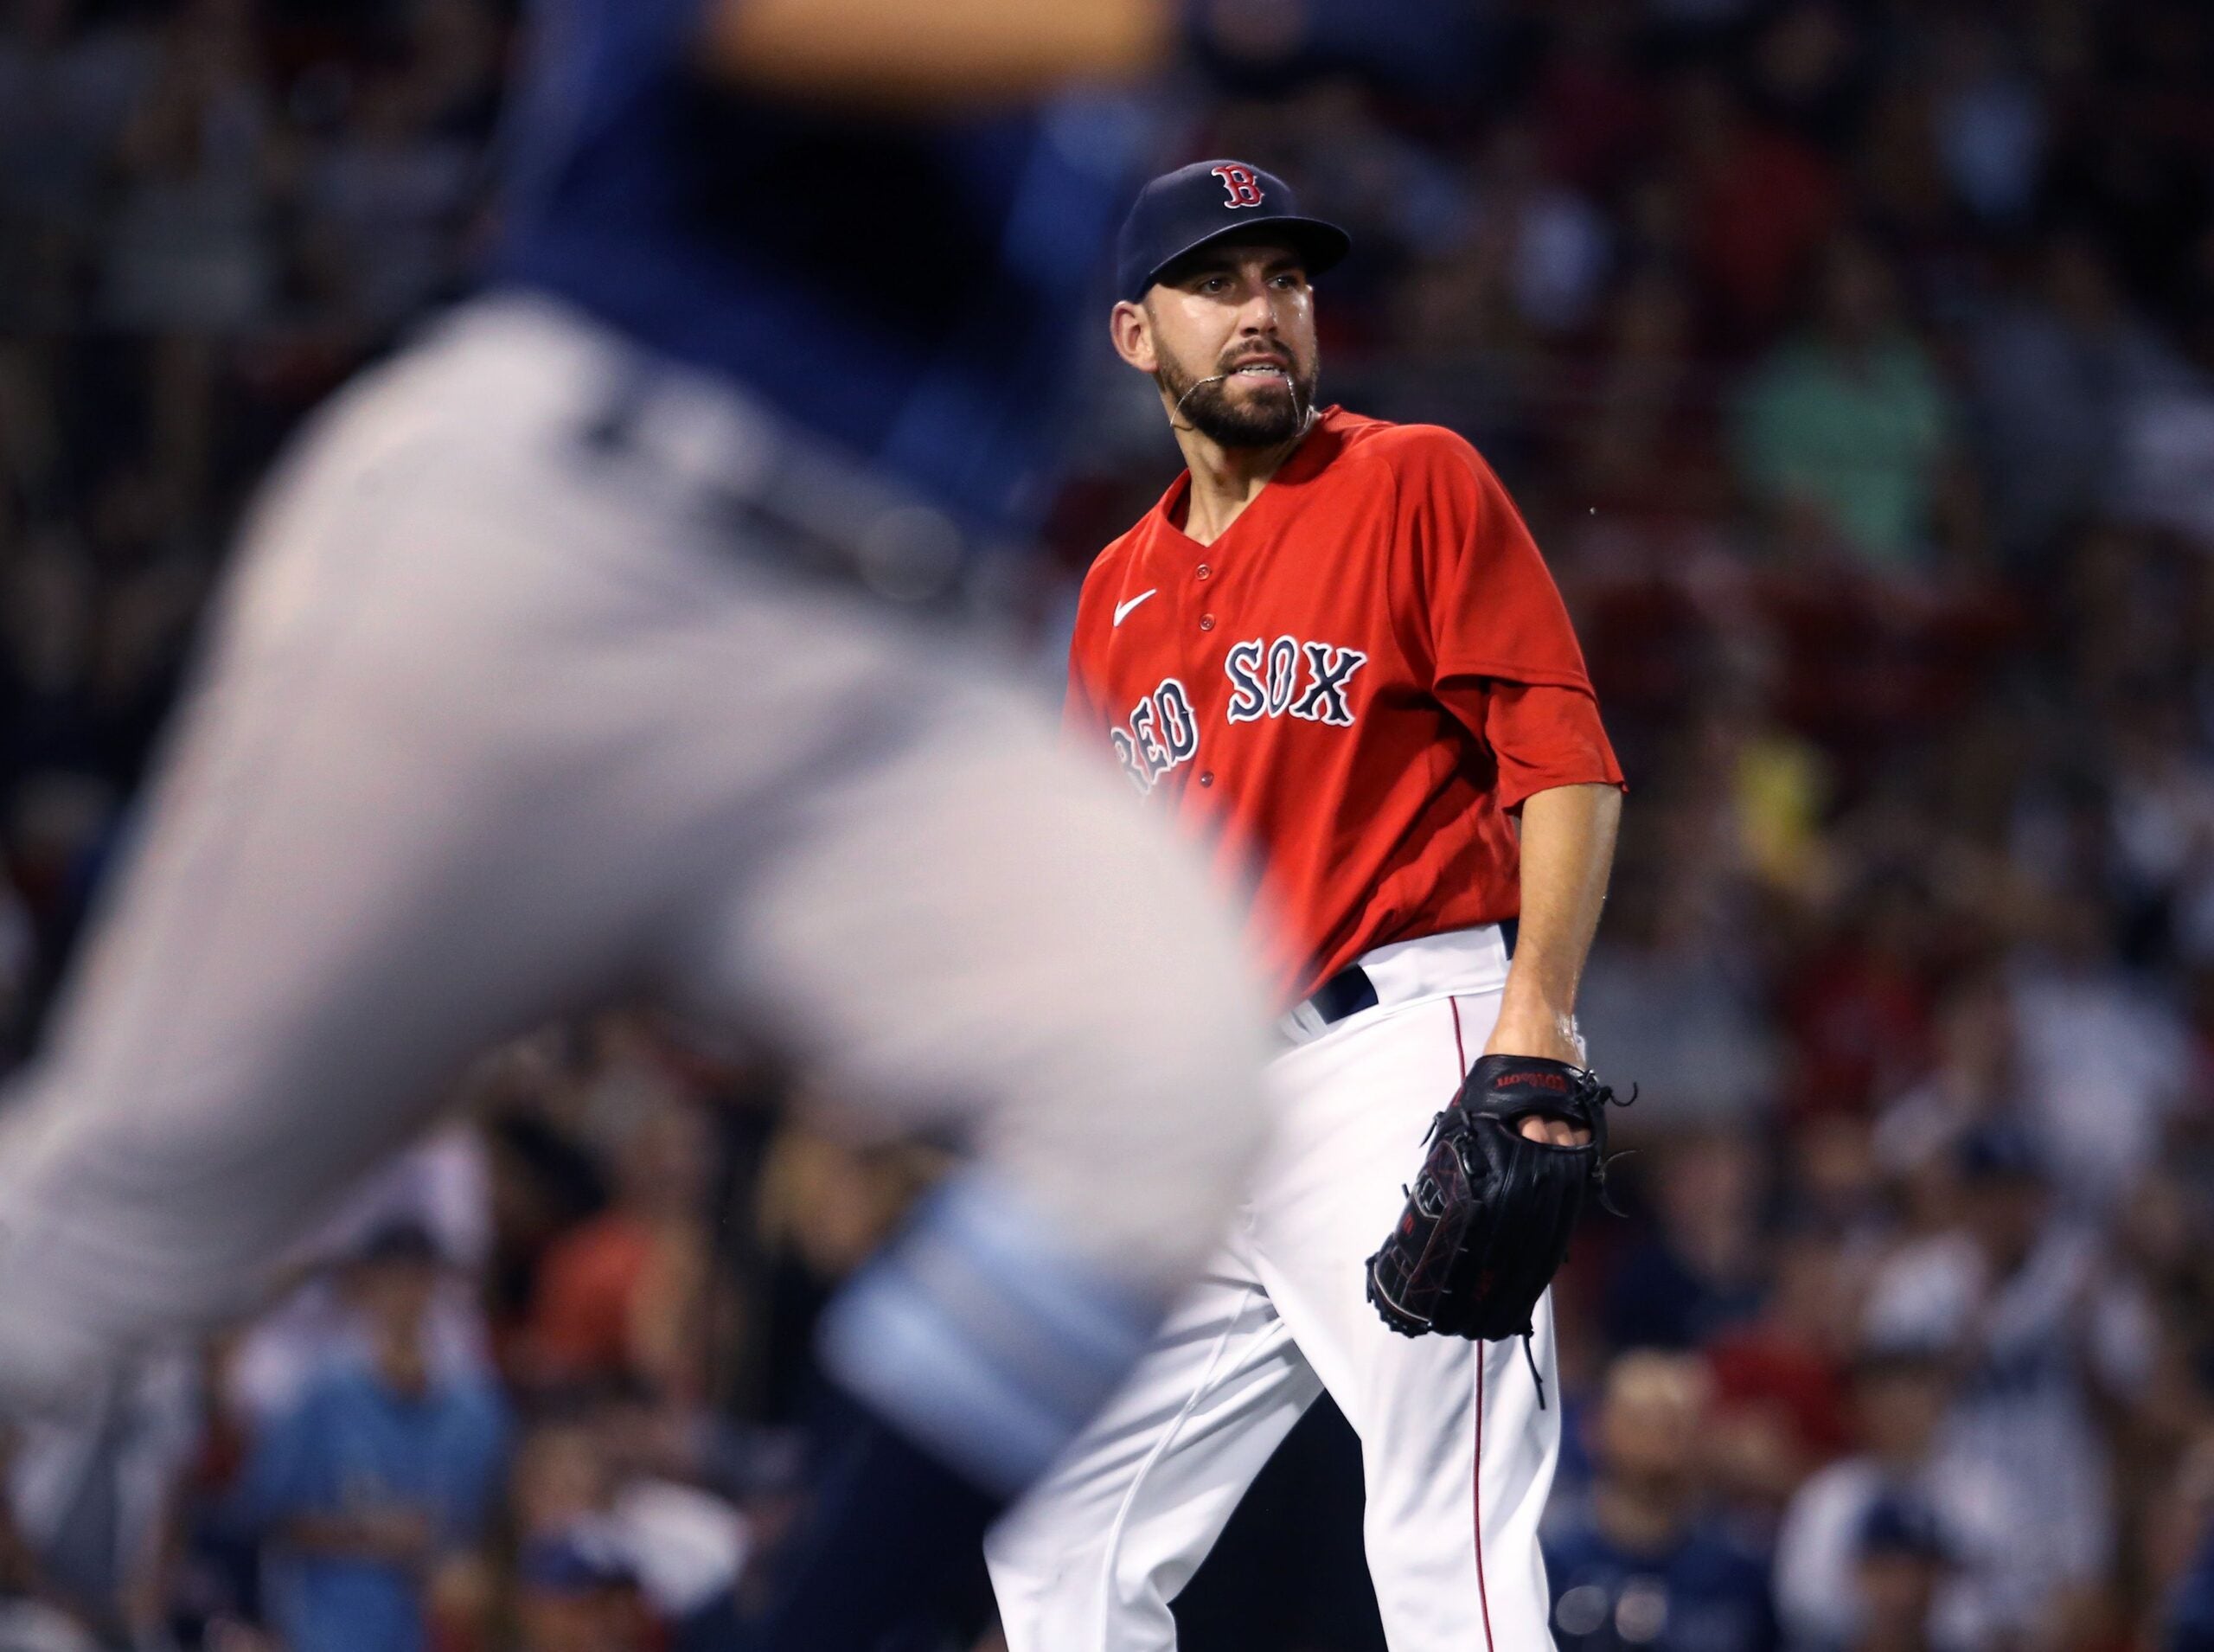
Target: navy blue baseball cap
{"points": [[1179, 212]]}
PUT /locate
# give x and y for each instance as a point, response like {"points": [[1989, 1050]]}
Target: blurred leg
{"points": [[490, 734], [342, 881], [971, 930]]}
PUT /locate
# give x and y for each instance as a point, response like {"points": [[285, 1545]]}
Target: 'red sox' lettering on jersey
{"points": [[1159, 733], [1265, 681], [1351, 688]]}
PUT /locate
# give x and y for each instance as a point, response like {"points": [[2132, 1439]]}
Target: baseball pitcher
{"points": [[1332, 652]]}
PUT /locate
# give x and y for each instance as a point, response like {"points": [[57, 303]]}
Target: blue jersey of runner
{"points": [[911, 289]]}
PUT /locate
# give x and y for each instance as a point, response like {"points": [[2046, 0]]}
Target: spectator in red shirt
{"points": [[1761, 203], [628, 1293]]}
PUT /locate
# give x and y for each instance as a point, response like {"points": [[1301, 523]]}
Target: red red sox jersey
{"points": [[1348, 692]]}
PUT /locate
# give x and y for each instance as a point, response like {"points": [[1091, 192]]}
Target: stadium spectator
{"points": [[597, 1469], [1974, 1080], [629, 1293], [1759, 203], [2047, 1325], [381, 207], [188, 251], [1844, 434], [574, 1597], [1902, 1390], [439, 1186], [1700, 1271], [1778, 1409], [2058, 362], [2105, 1059], [1644, 1566], [68, 86], [1674, 996], [379, 1489], [2181, 1616], [1898, 1570]]}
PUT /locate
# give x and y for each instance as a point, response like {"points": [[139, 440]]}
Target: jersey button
{"points": [[1205, 571], [1207, 622], [1208, 779]]}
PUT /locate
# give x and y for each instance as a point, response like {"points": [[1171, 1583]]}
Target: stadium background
{"points": [[1854, 363]]}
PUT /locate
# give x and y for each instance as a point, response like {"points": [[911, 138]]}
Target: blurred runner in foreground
{"points": [[562, 661]]}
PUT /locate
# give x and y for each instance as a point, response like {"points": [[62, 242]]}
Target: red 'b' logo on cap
{"points": [[1240, 183]]}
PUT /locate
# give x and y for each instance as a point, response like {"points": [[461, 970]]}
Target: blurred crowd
{"points": [[1853, 361]]}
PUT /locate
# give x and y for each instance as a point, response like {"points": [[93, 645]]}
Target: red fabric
{"points": [[1596, 118], [1860, 1027], [1373, 808], [1760, 1367], [582, 1312], [1758, 222]]}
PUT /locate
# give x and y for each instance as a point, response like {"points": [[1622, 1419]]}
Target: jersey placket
{"points": [[1198, 591]]}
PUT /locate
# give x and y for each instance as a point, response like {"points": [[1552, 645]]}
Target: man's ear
{"points": [[1131, 327]]}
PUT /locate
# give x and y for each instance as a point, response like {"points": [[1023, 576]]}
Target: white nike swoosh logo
{"points": [[1123, 608]]}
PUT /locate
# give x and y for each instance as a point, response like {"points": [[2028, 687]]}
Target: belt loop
{"points": [[1508, 928]]}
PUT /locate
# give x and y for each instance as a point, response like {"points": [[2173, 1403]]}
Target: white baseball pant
{"points": [[1457, 1456], [494, 725]]}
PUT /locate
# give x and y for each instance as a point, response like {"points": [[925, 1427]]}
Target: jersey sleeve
{"points": [[1505, 659], [1492, 609], [1540, 736]]}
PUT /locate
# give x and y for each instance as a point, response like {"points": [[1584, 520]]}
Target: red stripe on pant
{"points": [[1483, 1595], [1476, 1479]]}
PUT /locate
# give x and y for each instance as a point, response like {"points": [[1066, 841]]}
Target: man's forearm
{"points": [[1568, 848]]}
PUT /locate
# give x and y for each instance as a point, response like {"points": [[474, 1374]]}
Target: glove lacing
{"points": [[1600, 1098]]}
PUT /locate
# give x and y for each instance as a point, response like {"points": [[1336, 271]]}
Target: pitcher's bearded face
{"points": [[1251, 398], [1233, 337]]}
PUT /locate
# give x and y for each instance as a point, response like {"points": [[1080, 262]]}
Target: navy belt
{"points": [[1350, 992], [1346, 993], [809, 514]]}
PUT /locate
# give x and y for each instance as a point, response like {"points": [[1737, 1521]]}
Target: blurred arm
{"points": [[910, 54]]}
